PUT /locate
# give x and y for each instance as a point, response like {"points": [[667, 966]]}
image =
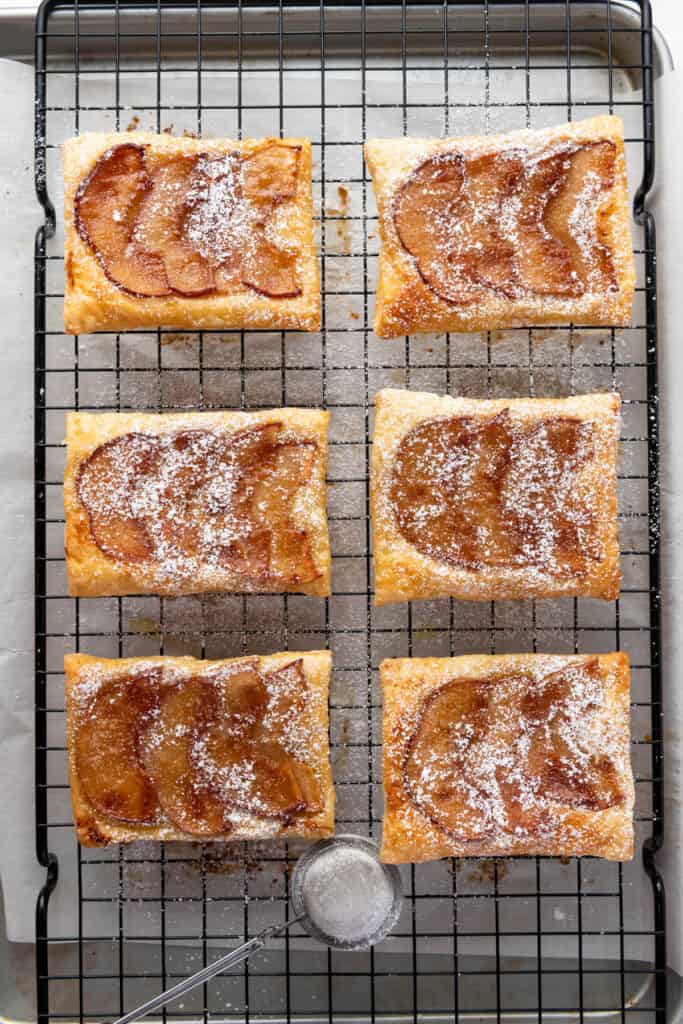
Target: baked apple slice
{"points": [[106, 483], [572, 214], [159, 228], [106, 206], [246, 700], [544, 262], [267, 269], [557, 712], [451, 722], [290, 555], [287, 690], [252, 777], [188, 711], [541, 501], [107, 760], [270, 175], [427, 209], [445, 490]]}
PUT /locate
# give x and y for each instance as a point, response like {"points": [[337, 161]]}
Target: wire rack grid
{"points": [[523, 939]]}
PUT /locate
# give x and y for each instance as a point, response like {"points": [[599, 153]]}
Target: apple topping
{"points": [[570, 214], [107, 204], [159, 228], [201, 497], [508, 754], [106, 485], [451, 722], [187, 710], [106, 749], [189, 224], [510, 222], [199, 751], [269, 270], [481, 493], [270, 175]]}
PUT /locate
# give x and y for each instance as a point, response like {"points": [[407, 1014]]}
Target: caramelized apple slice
{"points": [[255, 778], [445, 490], [160, 225], [427, 210], [106, 750], [572, 214], [451, 721], [287, 690], [544, 262], [558, 711], [107, 204], [168, 751], [269, 270], [106, 483], [108, 199], [311, 791], [246, 700], [540, 499], [290, 552], [270, 175]]}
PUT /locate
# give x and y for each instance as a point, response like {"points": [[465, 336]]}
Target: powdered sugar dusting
{"points": [[492, 492]]}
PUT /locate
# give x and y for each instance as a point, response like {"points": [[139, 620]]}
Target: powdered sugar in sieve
{"points": [[347, 897]]}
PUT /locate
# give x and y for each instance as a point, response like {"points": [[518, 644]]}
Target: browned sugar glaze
{"points": [[502, 756], [199, 498], [199, 752], [189, 224], [514, 222], [494, 493]]}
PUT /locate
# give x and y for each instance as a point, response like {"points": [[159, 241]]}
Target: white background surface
{"points": [[20, 217]]}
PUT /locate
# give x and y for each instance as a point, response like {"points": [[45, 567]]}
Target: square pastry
{"points": [[189, 233], [176, 748], [185, 503], [500, 498], [514, 754], [498, 231]]}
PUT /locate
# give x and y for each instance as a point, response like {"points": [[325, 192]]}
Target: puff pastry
{"points": [[509, 754], [194, 502], [500, 498], [190, 233], [176, 748], [500, 231]]}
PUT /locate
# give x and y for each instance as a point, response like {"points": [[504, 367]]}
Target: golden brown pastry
{"points": [[176, 748], [509, 754], [498, 231], [185, 503], [191, 233], [500, 498]]}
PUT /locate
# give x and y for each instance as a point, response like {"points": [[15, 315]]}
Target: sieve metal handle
{"points": [[236, 956]]}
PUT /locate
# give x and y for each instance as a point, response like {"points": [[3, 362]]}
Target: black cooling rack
{"points": [[522, 939]]}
